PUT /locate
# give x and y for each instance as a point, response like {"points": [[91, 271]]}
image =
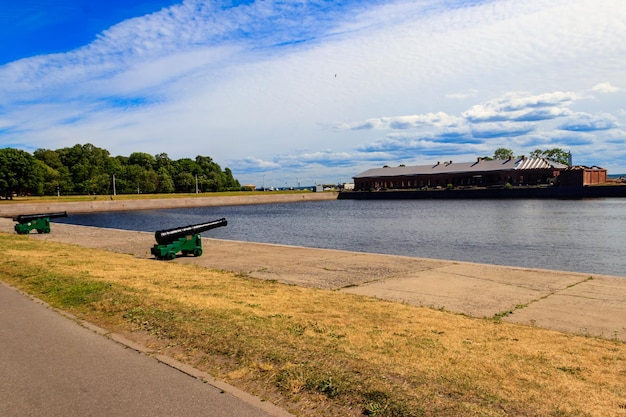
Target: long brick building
{"points": [[482, 173]]}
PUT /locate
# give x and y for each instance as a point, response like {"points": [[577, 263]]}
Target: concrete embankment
{"points": [[522, 192], [571, 302], [10, 209]]}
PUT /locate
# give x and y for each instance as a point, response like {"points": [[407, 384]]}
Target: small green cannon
{"points": [[39, 222], [186, 240]]}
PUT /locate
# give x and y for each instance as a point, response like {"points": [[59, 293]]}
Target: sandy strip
{"points": [[593, 305]]}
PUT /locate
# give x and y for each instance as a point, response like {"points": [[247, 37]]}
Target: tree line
{"points": [[87, 169], [555, 154]]}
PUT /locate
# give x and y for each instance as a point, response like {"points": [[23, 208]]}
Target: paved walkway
{"points": [[51, 366], [578, 303]]}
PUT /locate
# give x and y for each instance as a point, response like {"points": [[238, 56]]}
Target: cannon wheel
{"points": [[197, 252], [171, 255]]}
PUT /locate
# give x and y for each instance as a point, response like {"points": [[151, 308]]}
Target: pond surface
{"points": [[571, 235]]}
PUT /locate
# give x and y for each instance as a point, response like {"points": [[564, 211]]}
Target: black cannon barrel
{"points": [[23, 218], [163, 237]]}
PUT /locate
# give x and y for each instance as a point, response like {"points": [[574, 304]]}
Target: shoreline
{"points": [[570, 302], [11, 209]]}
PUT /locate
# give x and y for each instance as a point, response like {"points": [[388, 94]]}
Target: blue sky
{"points": [[297, 92]]}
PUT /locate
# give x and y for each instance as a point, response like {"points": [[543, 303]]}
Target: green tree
{"points": [[20, 173], [208, 173], [99, 184], [51, 179], [149, 182], [142, 159], [212, 178], [84, 163], [212, 181], [503, 153], [87, 169], [165, 183], [229, 180], [185, 165], [133, 179], [56, 176], [555, 154], [185, 171], [163, 161], [185, 182]]}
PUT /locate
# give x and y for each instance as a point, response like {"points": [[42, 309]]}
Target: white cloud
{"points": [[583, 122], [287, 88], [518, 106], [439, 119], [605, 88]]}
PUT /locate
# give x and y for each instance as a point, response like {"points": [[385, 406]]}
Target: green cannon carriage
{"points": [[39, 222], [186, 240]]}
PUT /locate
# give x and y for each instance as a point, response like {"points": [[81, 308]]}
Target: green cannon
{"points": [[39, 222], [186, 240]]}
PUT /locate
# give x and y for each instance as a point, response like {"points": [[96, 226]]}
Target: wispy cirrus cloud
{"points": [[163, 46]]}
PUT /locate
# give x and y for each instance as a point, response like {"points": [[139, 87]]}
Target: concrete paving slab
{"points": [[442, 290], [595, 307], [540, 280], [599, 288], [320, 268], [474, 289]]}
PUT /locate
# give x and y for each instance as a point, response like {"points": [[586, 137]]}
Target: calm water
{"points": [[573, 235]]}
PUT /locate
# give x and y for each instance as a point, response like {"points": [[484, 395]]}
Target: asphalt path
{"points": [[50, 365]]}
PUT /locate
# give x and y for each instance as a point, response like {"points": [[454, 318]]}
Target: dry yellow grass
{"points": [[318, 352]]}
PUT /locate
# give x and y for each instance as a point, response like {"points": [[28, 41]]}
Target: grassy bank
{"points": [[318, 352], [130, 197]]}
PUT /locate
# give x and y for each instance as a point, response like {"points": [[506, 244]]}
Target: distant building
{"points": [[481, 173], [583, 175]]}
